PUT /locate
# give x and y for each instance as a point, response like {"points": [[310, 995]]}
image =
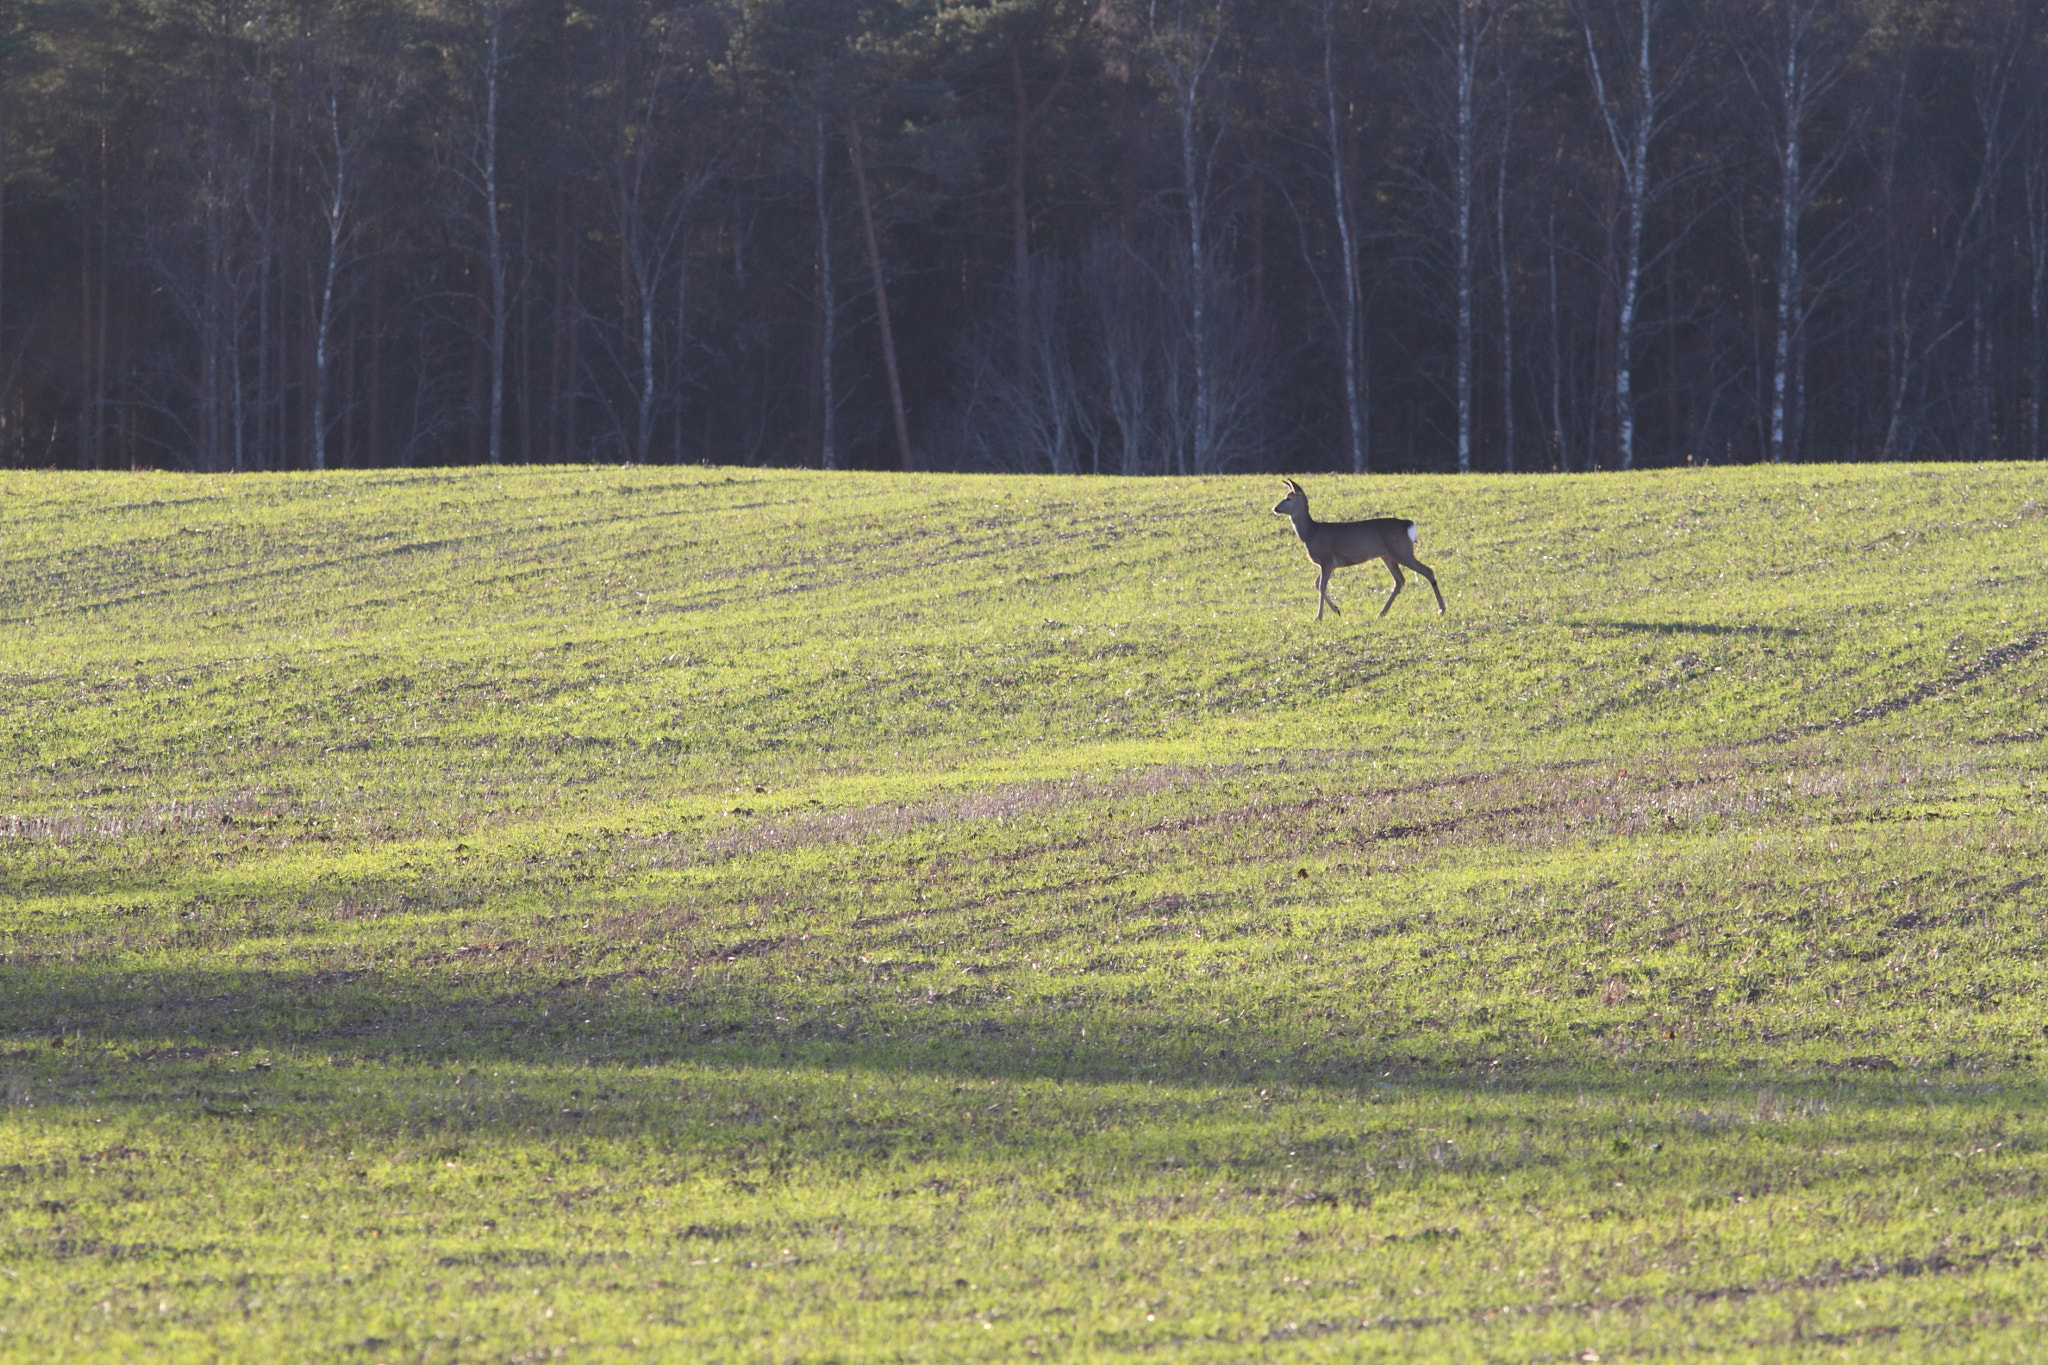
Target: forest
{"points": [[1067, 236]]}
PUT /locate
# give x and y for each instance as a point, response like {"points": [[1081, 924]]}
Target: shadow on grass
{"points": [[347, 1019]]}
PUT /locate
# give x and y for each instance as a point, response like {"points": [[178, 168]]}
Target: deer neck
{"points": [[1304, 524]]}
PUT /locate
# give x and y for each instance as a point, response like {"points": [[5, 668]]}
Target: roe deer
{"points": [[1333, 545]]}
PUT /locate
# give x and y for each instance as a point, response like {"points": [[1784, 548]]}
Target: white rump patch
{"points": [[1414, 534]]}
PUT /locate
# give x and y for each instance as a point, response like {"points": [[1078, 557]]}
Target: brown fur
{"points": [[1334, 545]]}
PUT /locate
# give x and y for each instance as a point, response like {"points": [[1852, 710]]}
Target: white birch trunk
{"points": [[1913, 338], [269, 411], [1020, 221], [1629, 126], [642, 268], [1802, 66], [1638, 190], [651, 200], [336, 212], [214, 332], [828, 452], [494, 234], [2037, 281], [1341, 208], [1790, 210], [881, 284], [1198, 290], [1559, 455], [1465, 59], [645, 434], [212, 309], [6, 394], [1507, 296], [682, 347], [1898, 282], [1185, 58]]}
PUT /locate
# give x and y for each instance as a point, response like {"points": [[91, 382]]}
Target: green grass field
{"points": [[768, 916]]}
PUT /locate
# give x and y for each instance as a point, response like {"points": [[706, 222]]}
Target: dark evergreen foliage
{"points": [[271, 234]]}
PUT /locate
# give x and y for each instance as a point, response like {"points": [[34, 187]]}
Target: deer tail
{"points": [[1414, 534]]}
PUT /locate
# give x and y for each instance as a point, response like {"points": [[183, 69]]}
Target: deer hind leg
{"points": [[1423, 569], [1394, 569], [1323, 590]]}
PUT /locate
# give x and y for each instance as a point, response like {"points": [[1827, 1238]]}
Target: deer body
{"points": [[1334, 545]]}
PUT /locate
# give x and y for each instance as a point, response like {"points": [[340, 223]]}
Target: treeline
{"points": [[1124, 236]]}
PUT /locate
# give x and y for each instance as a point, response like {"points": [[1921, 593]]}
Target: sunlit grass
{"points": [[755, 915]]}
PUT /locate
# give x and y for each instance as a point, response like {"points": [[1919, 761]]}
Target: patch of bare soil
{"points": [[1993, 660]]}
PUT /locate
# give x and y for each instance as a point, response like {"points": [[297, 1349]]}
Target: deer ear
{"points": [[1292, 484]]}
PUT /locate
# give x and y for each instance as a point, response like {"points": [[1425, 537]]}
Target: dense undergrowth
{"points": [[770, 916]]}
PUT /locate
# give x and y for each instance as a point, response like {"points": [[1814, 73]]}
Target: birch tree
{"points": [[1931, 240], [1123, 313], [1633, 108], [349, 107], [828, 301], [482, 59], [657, 172], [2035, 188], [879, 278], [868, 220], [1460, 33], [194, 246], [1793, 58], [1504, 260], [1344, 216], [1185, 40]]}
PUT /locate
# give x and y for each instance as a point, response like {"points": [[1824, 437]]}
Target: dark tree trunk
{"points": [[867, 218]]}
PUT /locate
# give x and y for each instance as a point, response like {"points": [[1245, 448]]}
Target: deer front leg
{"points": [[1323, 590], [1394, 569]]}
